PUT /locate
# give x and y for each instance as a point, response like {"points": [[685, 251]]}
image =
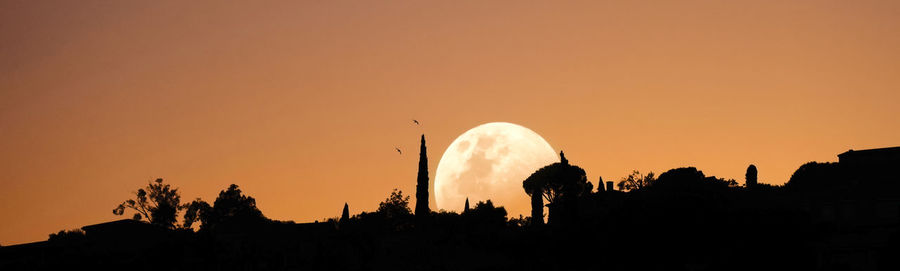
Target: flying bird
{"points": [[398, 150], [416, 121]]}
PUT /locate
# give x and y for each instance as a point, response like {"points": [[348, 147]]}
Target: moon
{"points": [[490, 161]]}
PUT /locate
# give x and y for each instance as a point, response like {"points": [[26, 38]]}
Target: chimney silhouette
{"points": [[609, 186], [422, 182]]}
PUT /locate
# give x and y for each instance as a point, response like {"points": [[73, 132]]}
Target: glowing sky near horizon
{"points": [[302, 103]]}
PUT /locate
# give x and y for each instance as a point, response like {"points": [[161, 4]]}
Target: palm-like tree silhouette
{"points": [[558, 183]]}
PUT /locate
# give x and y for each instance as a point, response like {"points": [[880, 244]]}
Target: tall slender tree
{"points": [[345, 215], [751, 176], [600, 184], [422, 182], [466, 208]]}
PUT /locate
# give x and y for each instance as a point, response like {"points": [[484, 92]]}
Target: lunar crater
{"points": [[490, 161]]}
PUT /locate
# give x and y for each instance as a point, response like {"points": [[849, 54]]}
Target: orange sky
{"points": [[301, 104]]}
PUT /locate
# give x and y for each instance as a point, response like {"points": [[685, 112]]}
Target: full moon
{"points": [[490, 162]]}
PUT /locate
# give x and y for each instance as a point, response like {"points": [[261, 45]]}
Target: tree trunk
{"points": [[537, 209]]}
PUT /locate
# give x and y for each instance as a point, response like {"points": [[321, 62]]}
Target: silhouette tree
{"points": [[196, 210], [231, 208], [422, 182], [691, 179], [158, 203], [750, 176], [519, 223], [560, 184], [486, 214], [466, 208], [67, 236], [600, 184], [345, 214], [636, 181], [534, 186], [396, 205], [814, 177]]}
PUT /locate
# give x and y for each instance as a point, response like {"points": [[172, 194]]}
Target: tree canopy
{"points": [[231, 208], [692, 181], [635, 181], [816, 177], [560, 184], [557, 180], [158, 203], [396, 205], [485, 213]]}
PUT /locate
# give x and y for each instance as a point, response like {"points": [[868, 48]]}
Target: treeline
{"points": [[160, 204], [680, 219]]}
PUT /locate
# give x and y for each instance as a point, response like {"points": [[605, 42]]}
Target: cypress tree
{"points": [[345, 215], [466, 209], [422, 182], [751, 176], [600, 185]]}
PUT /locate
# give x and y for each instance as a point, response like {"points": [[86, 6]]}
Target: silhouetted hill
{"points": [[829, 216]]}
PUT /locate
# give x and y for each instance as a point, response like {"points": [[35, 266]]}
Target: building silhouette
{"points": [[878, 161], [863, 209]]}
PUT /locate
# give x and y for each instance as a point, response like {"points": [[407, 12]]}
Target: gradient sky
{"points": [[301, 104]]}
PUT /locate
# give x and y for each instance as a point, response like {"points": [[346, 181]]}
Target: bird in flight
{"points": [[398, 150], [416, 121]]}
